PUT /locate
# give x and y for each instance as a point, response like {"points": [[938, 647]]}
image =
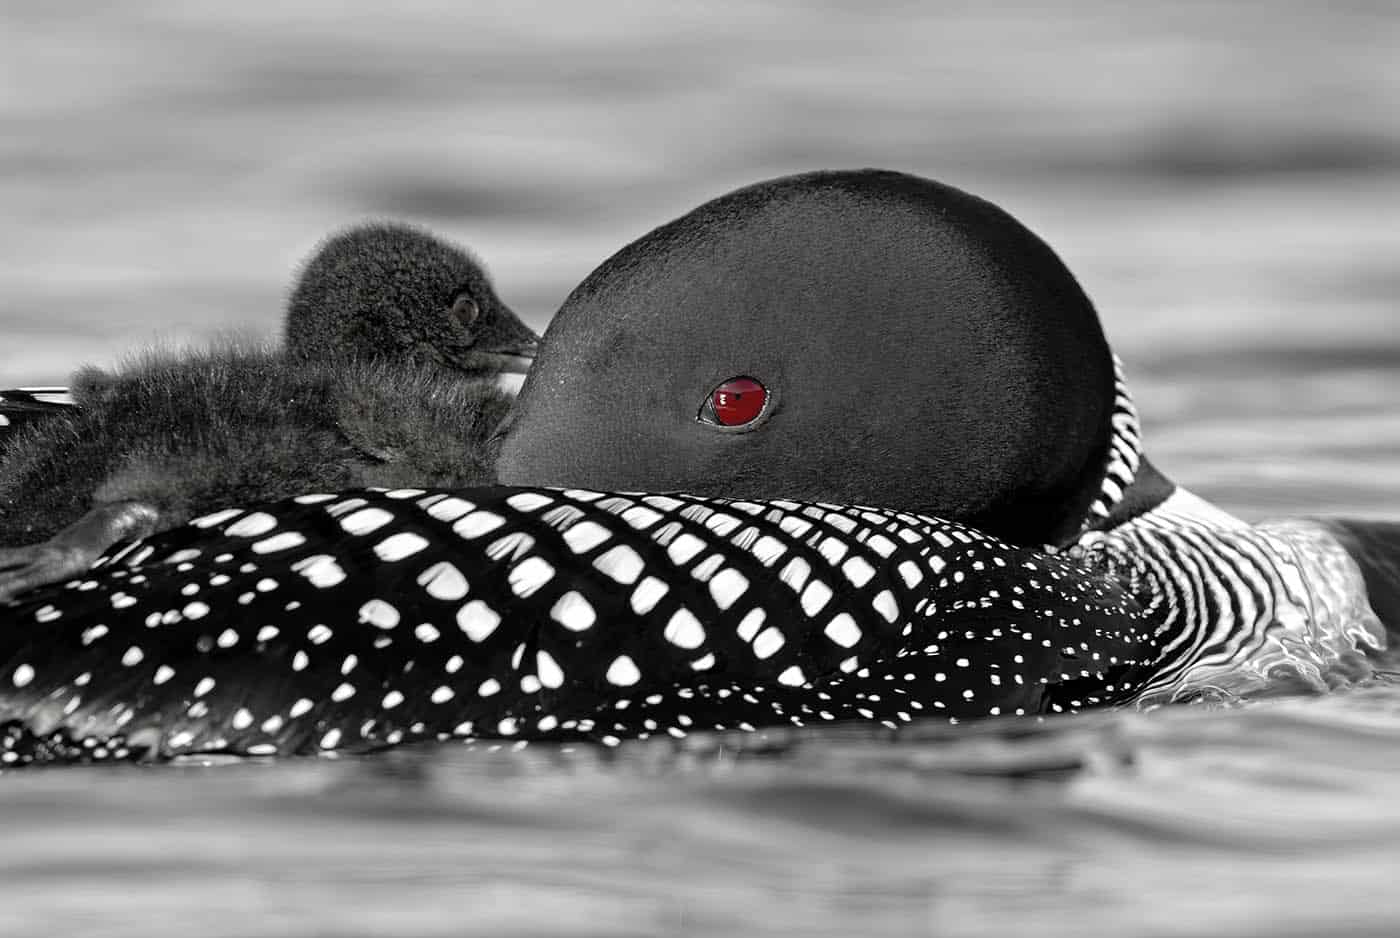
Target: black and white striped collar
{"points": [[1124, 455]]}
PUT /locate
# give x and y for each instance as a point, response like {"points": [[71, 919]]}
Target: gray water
{"points": [[1222, 177]]}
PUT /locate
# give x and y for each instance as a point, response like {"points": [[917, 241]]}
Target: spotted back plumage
{"points": [[364, 619]]}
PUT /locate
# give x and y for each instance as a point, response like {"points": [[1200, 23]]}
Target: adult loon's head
{"points": [[900, 343], [397, 292]]}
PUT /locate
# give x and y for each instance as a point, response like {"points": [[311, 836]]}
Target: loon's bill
{"points": [[365, 619]]}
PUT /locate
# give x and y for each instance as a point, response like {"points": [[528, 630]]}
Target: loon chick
{"points": [[385, 323], [392, 291], [376, 290], [363, 619]]}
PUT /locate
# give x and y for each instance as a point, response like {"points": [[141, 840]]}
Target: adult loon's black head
{"points": [[904, 344], [393, 291]]}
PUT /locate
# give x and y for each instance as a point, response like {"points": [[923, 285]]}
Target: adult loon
{"points": [[786, 355], [384, 323]]}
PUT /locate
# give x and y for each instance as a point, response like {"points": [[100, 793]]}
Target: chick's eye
{"points": [[464, 309], [734, 403]]}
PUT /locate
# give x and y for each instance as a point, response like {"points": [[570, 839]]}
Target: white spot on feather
{"points": [[707, 567], [880, 544], [450, 509], [815, 596], [573, 612], [528, 501], [767, 550], [399, 546], [684, 630], [365, 521], [647, 594], [551, 675], [858, 570], [283, 541], [795, 573], [512, 546], [727, 586], [768, 642], [585, 535], [254, 525], [792, 677], [380, 614], [833, 549], [622, 563], [623, 672], [477, 620], [842, 630], [478, 523], [722, 524], [529, 575], [640, 518], [684, 548], [750, 624], [443, 581], [885, 605], [217, 518]]}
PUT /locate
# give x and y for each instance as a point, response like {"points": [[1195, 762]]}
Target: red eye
{"points": [[735, 402]]}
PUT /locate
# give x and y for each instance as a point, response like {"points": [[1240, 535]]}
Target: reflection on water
{"points": [[1219, 176]]}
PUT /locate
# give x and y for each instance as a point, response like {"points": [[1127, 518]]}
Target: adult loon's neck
{"points": [[1242, 608], [1130, 484]]}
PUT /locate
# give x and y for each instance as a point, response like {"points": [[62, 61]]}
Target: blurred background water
{"points": [[1223, 177]]}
